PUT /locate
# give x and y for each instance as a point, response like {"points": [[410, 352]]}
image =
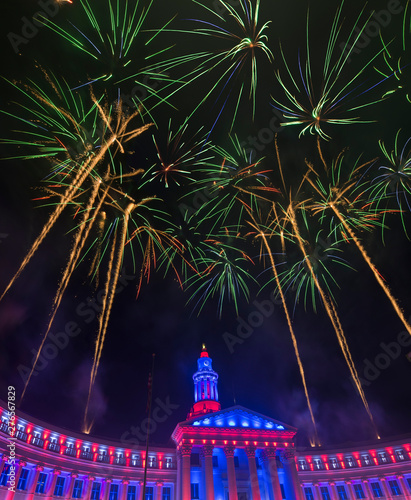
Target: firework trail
{"points": [[332, 314], [260, 234], [376, 274]]}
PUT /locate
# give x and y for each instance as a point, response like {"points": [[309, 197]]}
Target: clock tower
{"points": [[205, 387]]}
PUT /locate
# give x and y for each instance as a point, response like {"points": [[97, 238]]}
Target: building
{"points": [[233, 453]]}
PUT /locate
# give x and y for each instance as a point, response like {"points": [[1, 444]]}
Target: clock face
{"points": [[206, 363]]}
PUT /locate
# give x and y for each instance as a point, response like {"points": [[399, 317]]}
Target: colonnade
{"points": [[270, 473], [87, 484]]}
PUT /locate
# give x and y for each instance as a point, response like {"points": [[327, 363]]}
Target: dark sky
{"points": [[260, 372]]}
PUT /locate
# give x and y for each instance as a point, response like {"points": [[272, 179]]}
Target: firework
{"points": [[234, 182], [345, 201], [122, 56], [221, 271], [314, 110], [393, 182], [86, 146], [240, 38]]}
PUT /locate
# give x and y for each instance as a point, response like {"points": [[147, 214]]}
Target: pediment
{"points": [[238, 417]]}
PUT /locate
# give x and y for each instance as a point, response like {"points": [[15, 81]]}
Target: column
{"points": [[333, 489], [178, 486], [125, 482], [108, 482], [288, 459], [30, 494], [87, 491], [252, 467], [317, 492], [270, 463], [352, 495], [404, 487], [209, 475], [185, 450], [140, 492], [159, 485], [232, 482], [385, 487], [70, 486], [3, 463], [10, 493], [367, 489]]}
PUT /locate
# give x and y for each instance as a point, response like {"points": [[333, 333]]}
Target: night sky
{"points": [[259, 371]]}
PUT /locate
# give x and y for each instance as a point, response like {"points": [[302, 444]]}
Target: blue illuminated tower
{"points": [[205, 387]]}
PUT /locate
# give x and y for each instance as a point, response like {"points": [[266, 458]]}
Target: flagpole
{"points": [[149, 400]]}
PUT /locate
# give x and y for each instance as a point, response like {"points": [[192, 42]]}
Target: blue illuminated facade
{"points": [[233, 453]]}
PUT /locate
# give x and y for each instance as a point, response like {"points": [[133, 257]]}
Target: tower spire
{"points": [[205, 387]]}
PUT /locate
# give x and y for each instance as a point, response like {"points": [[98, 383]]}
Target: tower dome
{"points": [[205, 387]]}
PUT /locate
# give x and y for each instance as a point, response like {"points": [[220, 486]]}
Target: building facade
{"points": [[233, 453]]}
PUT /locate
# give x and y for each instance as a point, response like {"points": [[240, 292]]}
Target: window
{"points": [[282, 491], [376, 489], [257, 462], [149, 493], [77, 488], [334, 463], [325, 494], [318, 464], [41, 483], [169, 463], [215, 461], [350, 461], [195, 491], [383, 459], [95, 491], [308, 493], [366, 459], [195, 459], [5, 475], [58, 489], [359, 492], [53, 445], [22, 484], [166, 493], [131, 493], [302, 464], [151, 461], [236, 462], [113, 492], [400, 454], [342, 494], [395, 489], [409, 482]]}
